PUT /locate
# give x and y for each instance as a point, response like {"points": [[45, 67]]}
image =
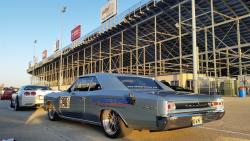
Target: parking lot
{"points": [[32, 124]]}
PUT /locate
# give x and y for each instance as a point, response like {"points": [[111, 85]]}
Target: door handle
{"points": [[131, 99]]}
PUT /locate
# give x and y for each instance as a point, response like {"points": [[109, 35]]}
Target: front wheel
{"points": [[113, 125], [52, 114]]}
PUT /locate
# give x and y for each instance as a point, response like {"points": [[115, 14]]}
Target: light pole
{"points": [[195, 58], [63, 10], [34, 59]]}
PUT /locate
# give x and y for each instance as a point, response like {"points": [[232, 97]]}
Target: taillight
{"points": [[33, 93], [26, 93], [217, 104], [171, 106]]}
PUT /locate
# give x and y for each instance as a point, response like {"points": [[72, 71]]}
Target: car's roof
{"points": [[115, 74], [33, 86], [110, 81]]}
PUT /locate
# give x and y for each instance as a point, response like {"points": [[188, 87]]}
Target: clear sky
{"points": [[23, 21]]}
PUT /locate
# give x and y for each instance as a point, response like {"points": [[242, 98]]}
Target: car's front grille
{"points": [[192, 105]]}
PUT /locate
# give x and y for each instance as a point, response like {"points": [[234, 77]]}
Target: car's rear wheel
{"points": [[16, 105], [52, 114], [113, 125]]}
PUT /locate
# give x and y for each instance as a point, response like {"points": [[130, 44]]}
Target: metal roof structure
{"points": [[154, 38]]}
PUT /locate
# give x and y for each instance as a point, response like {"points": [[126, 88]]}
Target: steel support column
{"points": [[131, 61], [213, 38], [180, 39], [195, 75], [155, 43], [110, 55], [100, 57], [227, 56], [122, 52], [144, 61], [91, 59], [72, 67], [84, 61], [239, 48], [136, 51], [206, 52]]}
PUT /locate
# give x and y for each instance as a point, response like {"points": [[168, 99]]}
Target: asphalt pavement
{"points": [[33, 125]]}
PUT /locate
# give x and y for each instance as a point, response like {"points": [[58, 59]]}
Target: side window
{"points": [[82, 84], [94, 85]]}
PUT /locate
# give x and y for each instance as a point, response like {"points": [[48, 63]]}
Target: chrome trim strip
{"points": [[81, 120]]}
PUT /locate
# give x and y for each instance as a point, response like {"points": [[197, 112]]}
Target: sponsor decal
{"points": [[64, 102]]}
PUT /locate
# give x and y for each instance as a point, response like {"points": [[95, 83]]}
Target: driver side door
{"points": [[74, 101]]}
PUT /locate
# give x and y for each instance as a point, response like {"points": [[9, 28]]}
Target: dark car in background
{"points": [[7, 93], [176, 88], [180, 89]]}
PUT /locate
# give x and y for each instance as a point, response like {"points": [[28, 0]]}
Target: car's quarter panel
{"points": [[141, 114]]}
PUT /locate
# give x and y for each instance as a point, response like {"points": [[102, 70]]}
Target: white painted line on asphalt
{"points": [[226, 131]]}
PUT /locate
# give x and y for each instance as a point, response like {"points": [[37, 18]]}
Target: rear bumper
{"points": [[34, 101], [175, 121]]}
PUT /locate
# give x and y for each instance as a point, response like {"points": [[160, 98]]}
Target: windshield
{"points": [[37, 88], [138, 82]]}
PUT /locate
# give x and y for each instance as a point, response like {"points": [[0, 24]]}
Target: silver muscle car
{"points": [[120, 103]]}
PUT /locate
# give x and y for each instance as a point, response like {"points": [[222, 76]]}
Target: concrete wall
{"points": [[65, 87], [182, 78]]}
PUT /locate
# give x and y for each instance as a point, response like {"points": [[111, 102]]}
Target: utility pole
{"points": [[63, 10], [35, 61]]}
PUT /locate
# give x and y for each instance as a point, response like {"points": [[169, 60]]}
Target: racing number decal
{"points": [[64, 102]]}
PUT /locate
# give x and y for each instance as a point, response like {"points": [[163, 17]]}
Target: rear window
{"points": [[37, 88], [138, 82]]}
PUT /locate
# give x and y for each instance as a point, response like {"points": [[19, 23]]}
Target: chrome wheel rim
{"points": [[111, 123], [51, 112]]}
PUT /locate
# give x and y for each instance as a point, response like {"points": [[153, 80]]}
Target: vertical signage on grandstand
{"points": [[108, 10], [44, 54], [56, 47], [76, 33]]}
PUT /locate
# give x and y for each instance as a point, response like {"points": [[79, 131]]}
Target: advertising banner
{"points": [[76, 33], [108, 10]]}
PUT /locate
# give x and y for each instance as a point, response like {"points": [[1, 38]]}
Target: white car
{"points": [[29, 96]]}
